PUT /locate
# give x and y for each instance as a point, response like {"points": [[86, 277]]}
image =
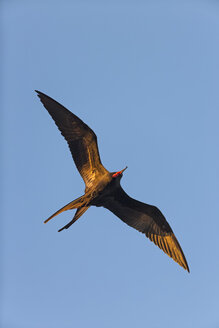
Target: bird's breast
{"points": [[103, 193]]}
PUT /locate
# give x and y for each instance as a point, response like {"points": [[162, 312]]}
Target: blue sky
{"points": [[144, 76]]}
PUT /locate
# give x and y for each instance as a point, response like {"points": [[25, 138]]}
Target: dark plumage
{"points": [[103, 187]]}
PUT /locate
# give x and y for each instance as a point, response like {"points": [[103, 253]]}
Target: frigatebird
{"points": [[102, 188]]}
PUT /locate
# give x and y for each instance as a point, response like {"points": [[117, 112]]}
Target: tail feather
{"points": [[80, 211], [74, 204]]}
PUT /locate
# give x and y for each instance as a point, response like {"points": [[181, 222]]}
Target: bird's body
{"points": [[102, 188]]}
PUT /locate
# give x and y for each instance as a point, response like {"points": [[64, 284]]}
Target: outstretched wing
{"points": [[81, 139], [149, 220]]}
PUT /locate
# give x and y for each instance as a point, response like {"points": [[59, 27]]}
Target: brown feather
{"points": [[149, 220], [81, 139]]}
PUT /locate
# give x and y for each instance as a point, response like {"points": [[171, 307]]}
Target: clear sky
{"points": [[144, 75]]}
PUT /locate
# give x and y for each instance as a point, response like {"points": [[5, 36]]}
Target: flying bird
{"points": [[102, 188]]}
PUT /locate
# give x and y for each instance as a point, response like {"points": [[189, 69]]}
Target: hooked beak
{"points": [[123, 170]]}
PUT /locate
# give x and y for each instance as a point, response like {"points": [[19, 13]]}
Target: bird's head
{"points": [[119, 173]]}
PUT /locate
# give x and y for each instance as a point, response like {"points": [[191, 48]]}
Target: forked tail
{"points": [[79, 202], [80, 211]]}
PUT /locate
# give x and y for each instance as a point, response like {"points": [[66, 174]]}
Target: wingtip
{"points": [[180, 258], [183, 263], [187, 268], [39, 93], [184, 266]]}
